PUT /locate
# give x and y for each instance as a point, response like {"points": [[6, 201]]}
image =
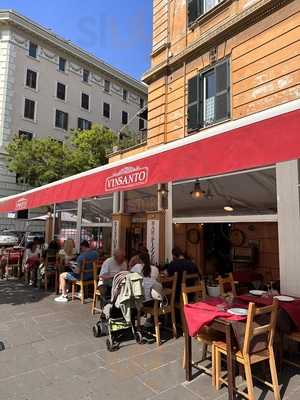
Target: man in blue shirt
{"points": [[84, 261]]}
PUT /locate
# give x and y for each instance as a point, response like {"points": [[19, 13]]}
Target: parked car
{"points": [[8, 238], [31, 235]]}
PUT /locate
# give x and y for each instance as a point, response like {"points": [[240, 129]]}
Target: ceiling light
{"points": [[197, 193], [229, 208]]}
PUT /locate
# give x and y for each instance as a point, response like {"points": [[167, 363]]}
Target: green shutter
{"points": [[222, 103], [193, 10], [195, 100]]}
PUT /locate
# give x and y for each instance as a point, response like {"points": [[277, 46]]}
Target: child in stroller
{"points": [[122, 313]]}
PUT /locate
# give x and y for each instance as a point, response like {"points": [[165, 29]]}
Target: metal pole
{"points": [[78, 225]]}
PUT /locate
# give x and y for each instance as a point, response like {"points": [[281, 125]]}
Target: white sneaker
{"points": [[61, 299]]}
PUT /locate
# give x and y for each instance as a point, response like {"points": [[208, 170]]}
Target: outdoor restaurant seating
{"points": [[206, 336], [83, 284], [167, 306], [227, 284], [253, 351], [50, 270], [292, 337]]}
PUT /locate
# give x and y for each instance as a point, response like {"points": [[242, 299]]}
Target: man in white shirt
{"points": [[113, 265]]}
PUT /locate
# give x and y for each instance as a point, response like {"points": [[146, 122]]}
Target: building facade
{"points": [[219, 173], [48, 86], [215, 65]]}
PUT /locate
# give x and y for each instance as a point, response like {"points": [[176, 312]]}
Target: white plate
{"points": [[257, 292], [238, 311], [284, 298]]}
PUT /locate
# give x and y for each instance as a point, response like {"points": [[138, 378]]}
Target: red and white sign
{"points": [[127, 178], [251, 142], [21, 204]]}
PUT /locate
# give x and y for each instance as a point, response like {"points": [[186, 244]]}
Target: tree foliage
{"points": [[43, 160]]}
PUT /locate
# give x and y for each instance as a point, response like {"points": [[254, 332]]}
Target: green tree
{"points": [[36, 161], [88, 149], [43, 160]]}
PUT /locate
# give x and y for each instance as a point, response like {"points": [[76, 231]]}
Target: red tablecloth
{"points": [[204, 313], [291, 308]]}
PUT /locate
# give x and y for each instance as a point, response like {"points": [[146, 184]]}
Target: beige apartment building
{"points": [[49, 86]]}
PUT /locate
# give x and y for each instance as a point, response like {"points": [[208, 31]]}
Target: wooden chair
{"points": [[83, 284], [50, 268], [97, 291], [207, 336], [189, 280], [293, 337], [247, 356], [226, 283], [14, 263], [166, 307]]}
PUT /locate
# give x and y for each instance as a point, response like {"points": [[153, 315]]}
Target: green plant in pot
{"points": [[212, 286]]}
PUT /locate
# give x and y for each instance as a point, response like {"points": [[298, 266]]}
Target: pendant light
{"points": [[229, 207], [197, 193]]}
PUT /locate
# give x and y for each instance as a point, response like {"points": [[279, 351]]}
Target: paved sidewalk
{"points": [[50, 353]]}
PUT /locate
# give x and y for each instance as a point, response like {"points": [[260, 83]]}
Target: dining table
{"points": [[209, 312]]}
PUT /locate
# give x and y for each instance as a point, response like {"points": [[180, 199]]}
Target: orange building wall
{"points": [[265, 62]]}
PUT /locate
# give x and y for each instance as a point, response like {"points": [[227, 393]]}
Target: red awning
{"points": [[258, 140]]}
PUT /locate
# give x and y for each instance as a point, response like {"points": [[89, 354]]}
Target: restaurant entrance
{"points": [[229, 223]]}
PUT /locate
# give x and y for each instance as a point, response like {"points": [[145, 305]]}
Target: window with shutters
{"points": [[107, 86], [124, 117], [61, 91], [196, 8], [85, 101], [62, 64], [61, 120], [86, 75], [32, 51], [31, 79], [29, 109], [209, 97], [125, 95], [106, 110], [84, 124]]}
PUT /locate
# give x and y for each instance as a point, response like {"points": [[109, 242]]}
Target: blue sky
{"points": [[117, 31]]}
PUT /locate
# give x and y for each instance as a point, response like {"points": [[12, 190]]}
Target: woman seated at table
{"points": [[149, 272], [32, 258], [68, 252]]}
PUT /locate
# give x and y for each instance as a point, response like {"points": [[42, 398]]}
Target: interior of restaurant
{"points": [[229, 223]]}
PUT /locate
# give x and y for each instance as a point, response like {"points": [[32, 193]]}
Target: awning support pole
{"points": [[287, 174], [78, 225], [169, 224]]}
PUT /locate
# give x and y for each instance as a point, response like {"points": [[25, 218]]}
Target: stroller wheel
{"points": [[96, 330], [139, 337], [110, 346]]}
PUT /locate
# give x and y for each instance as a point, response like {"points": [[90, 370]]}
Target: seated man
{"points": [[86, 254], [113, 265], [179, 265], [109, 269]]}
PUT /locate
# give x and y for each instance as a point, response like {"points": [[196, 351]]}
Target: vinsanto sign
{"points": [[126, 178]]}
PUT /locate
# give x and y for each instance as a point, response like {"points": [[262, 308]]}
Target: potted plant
{"points": [[212, 287]]}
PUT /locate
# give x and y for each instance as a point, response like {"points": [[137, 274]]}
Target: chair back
{"points": [[96, 271], [227, 284], [190, 279], [261, 324], [192, 294], [169, 288]]}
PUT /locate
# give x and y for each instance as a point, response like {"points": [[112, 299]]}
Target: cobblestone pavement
{"points": [[50, 353]]}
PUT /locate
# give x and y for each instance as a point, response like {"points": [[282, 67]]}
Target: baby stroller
{"points": [[120, 314]]}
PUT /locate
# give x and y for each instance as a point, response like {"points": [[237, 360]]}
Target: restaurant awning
{"points": [[260, 139]]}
